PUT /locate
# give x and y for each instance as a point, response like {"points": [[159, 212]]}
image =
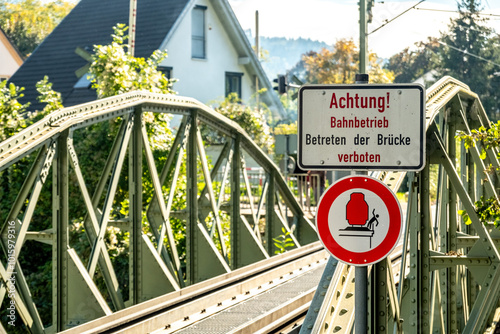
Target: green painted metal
{"points": [[230, 218], [60, 218], [449, 271]]}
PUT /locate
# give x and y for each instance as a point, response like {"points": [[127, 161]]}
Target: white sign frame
{"points": [[361, 127]]}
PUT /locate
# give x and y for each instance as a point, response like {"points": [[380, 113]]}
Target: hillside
{"points": [[284, 53]]}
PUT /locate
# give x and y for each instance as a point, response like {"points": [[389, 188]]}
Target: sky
{"points": [[331, 20]]}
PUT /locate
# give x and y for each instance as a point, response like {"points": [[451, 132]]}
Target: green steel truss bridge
{"points": [[164, 239]]}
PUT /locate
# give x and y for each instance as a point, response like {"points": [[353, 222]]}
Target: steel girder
{"points": [[228, 221], [445, 279]]}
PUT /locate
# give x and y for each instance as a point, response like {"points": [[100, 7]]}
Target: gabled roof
{"points": [[90, 23]]}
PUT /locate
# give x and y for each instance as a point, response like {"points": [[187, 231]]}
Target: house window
{"points": [[233, 83], [167, 70], [84, 82], [198, 38]]}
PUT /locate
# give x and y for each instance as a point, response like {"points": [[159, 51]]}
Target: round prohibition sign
{"points": [[359, 220]]}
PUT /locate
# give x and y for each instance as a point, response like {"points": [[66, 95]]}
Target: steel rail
{"points": [[159, 312]]}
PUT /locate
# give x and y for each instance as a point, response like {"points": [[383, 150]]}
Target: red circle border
{"points": [[395, 220]]}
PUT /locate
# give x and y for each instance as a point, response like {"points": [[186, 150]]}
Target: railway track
{"points": [[285, 284], [272, 296]]}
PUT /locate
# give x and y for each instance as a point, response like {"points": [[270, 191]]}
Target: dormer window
{"points": [[233, 83], [198, 36], [84, 82]]}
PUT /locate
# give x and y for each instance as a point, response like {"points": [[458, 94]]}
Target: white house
{"points": [[10, 57]]}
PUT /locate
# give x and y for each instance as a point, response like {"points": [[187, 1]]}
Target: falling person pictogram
{"points": [[357, 214]]}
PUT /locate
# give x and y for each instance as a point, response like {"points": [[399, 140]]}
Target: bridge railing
{"points": [[102, 210]]}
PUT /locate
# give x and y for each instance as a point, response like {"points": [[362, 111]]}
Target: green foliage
{"points": [[14, 115], [11, 110], [37, 263], [47, 95], [466, 45], [252, 120], [341, 64], [92, 145], [489, 138], [115, 71], [283, 241], [28, 22], [411, 64], [286, 129], [289, 102], [487, 209]]}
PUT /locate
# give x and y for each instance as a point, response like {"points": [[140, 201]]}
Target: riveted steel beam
{"points": [[118, 203]]}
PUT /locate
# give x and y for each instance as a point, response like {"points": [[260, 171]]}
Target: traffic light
{"points": [[282, 84], [369, 10]]}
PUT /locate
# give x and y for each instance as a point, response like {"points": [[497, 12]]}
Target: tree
{"points": [[341, 64], [332, 66], [467, 52], [14, 117], [28, 22], [411, 64], [115, 71], [251, 119], [11, 110]]}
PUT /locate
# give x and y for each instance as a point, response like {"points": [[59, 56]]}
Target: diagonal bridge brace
{"points": [[488, 297]]}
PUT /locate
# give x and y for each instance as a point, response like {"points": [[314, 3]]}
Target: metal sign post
{"points": [[360, 127], [361, 273], [359, 221]]}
